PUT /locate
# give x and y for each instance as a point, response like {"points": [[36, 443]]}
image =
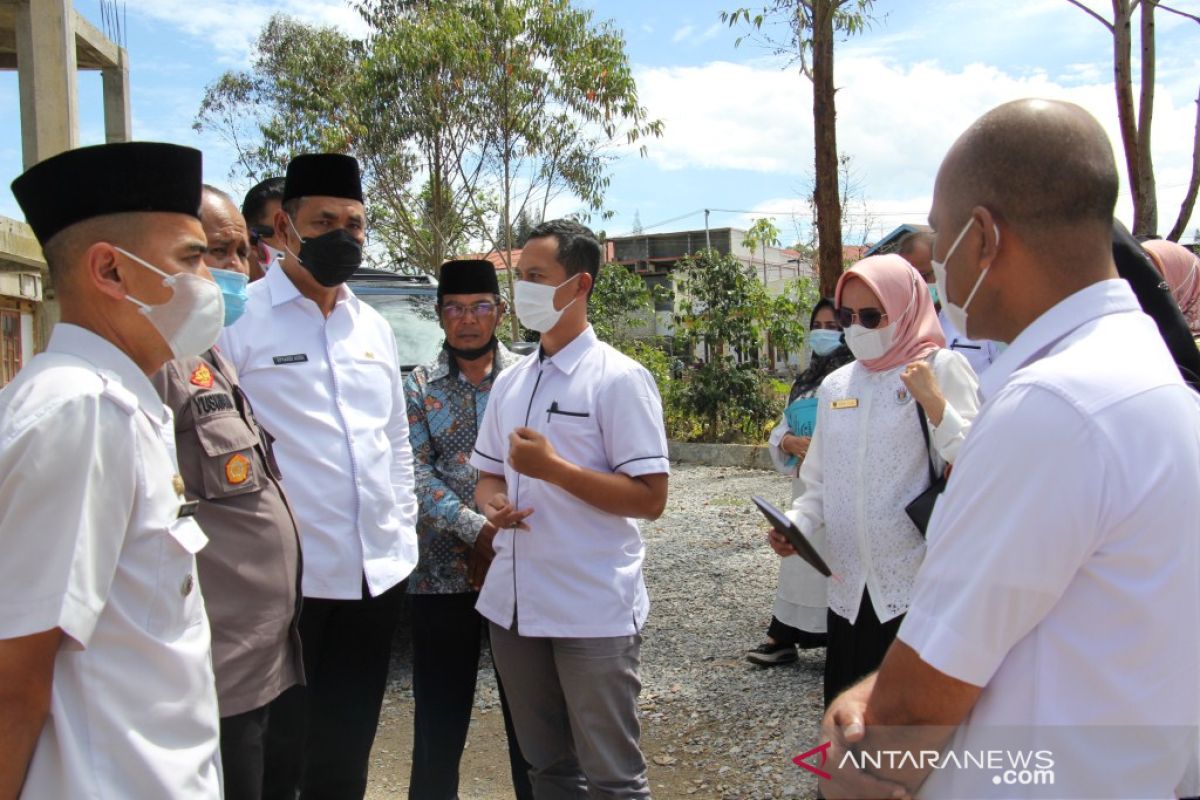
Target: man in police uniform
{"points": [[106, 687], [250, 569], [322, 371]]}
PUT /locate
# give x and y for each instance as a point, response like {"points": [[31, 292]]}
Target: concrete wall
{"points": [[746, 456]]}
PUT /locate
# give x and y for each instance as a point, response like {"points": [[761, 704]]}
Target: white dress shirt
{"points": [[866, 462], [1063, 571], [330, 391], [578, 571], [91, 543], [980, 353]]}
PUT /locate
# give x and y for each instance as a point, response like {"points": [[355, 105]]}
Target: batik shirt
{"points": [[444, 411]]}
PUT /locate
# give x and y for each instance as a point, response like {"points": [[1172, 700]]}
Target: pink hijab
{"points": [[1180, 268], [906, 301]]}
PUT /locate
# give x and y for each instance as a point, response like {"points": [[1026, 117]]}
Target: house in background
{"points": [[655, 256], [47, 42], [891, 242]]}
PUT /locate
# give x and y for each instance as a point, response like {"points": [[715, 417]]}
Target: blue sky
{"points": [[738, 123]]}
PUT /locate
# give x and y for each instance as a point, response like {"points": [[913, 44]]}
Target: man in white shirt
{"points": [[1058, 608], [917, 249], [571, 451], [106, 685], [321, 370]]}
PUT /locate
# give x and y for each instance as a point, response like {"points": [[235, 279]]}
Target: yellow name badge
{"points": [[849, 402]]}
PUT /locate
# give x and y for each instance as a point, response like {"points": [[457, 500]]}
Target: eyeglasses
{"points": [[455, 311], [867, 317], [260, 232]]}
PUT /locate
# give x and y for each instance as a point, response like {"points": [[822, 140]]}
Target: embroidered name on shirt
{"points": [[297, 358], [849, 402], [213, 403]]}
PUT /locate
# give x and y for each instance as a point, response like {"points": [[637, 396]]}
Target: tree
{"points": [[462, 114], [763, 233], [619, 300], [1136, 126], [560, 94], [294, 99], [723, 307], [812, 26]]}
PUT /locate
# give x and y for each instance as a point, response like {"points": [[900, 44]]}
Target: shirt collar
{"points": [[1092, 302], [284, 291], [105, 356], [569, 357]]}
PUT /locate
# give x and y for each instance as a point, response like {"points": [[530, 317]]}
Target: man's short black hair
{"points": [[578, 248], [257, 198]]}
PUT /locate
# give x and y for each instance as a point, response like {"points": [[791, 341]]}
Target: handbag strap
{"points": [[928, 447]]}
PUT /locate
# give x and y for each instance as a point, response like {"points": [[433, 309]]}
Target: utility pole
{"points": [[707, 241]]}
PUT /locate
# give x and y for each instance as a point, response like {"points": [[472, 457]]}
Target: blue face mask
{"points": [[824, 342], [233, 289]]}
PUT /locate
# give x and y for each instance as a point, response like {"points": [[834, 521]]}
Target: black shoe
{"points": [[772, 654]]}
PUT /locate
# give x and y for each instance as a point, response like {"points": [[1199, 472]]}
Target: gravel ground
{"points": [[713, 725]]}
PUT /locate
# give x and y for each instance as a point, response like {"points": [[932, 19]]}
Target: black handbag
{"points": [[920, 509]]}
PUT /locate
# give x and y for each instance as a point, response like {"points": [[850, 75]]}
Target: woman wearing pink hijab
{"points": [[868, 457], [1180, 268]]}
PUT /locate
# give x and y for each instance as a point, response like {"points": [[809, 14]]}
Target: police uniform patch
{"points": [[237, 469], [202, 377], [210, 403]]}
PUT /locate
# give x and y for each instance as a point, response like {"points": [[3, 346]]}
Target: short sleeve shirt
{"points": [[1063, 561], [578, 571], [91, 542], [250, 568]]}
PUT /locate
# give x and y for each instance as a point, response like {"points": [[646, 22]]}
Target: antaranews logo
{"points": [[1008, 767], [802, 760]]}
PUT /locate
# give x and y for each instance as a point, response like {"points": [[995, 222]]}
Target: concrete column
{"points": [[118, 121], [46, 68]]}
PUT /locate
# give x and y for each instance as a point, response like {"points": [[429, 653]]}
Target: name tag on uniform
{"points": [[212, 403], [847, 402], [297, 358]]}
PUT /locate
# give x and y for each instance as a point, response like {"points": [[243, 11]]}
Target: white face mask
{"points": [[869, 343], [957, 315], [192, 319], [535, 304]]}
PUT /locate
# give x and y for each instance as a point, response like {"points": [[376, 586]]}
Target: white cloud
{"points": [[709, 32], [896, 121], [682, 34], [232, 26]]}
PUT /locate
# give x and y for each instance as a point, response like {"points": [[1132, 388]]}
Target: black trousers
{"points": [[447, 632], [855, 650], [783, 633], [259, 756], [347, 652]]}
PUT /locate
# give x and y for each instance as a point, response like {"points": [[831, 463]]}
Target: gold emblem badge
{"points": [[370, 354], [202, 377], [849, 402], [237, 469], [177, 484]]}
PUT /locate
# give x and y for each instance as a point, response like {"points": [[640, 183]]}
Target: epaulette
{"points": [[115, 391]]}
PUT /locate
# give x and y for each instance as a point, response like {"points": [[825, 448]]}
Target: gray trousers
{"points": [[574, 707]]}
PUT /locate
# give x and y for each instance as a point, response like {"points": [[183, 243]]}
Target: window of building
{"points": [[10, 344]]}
